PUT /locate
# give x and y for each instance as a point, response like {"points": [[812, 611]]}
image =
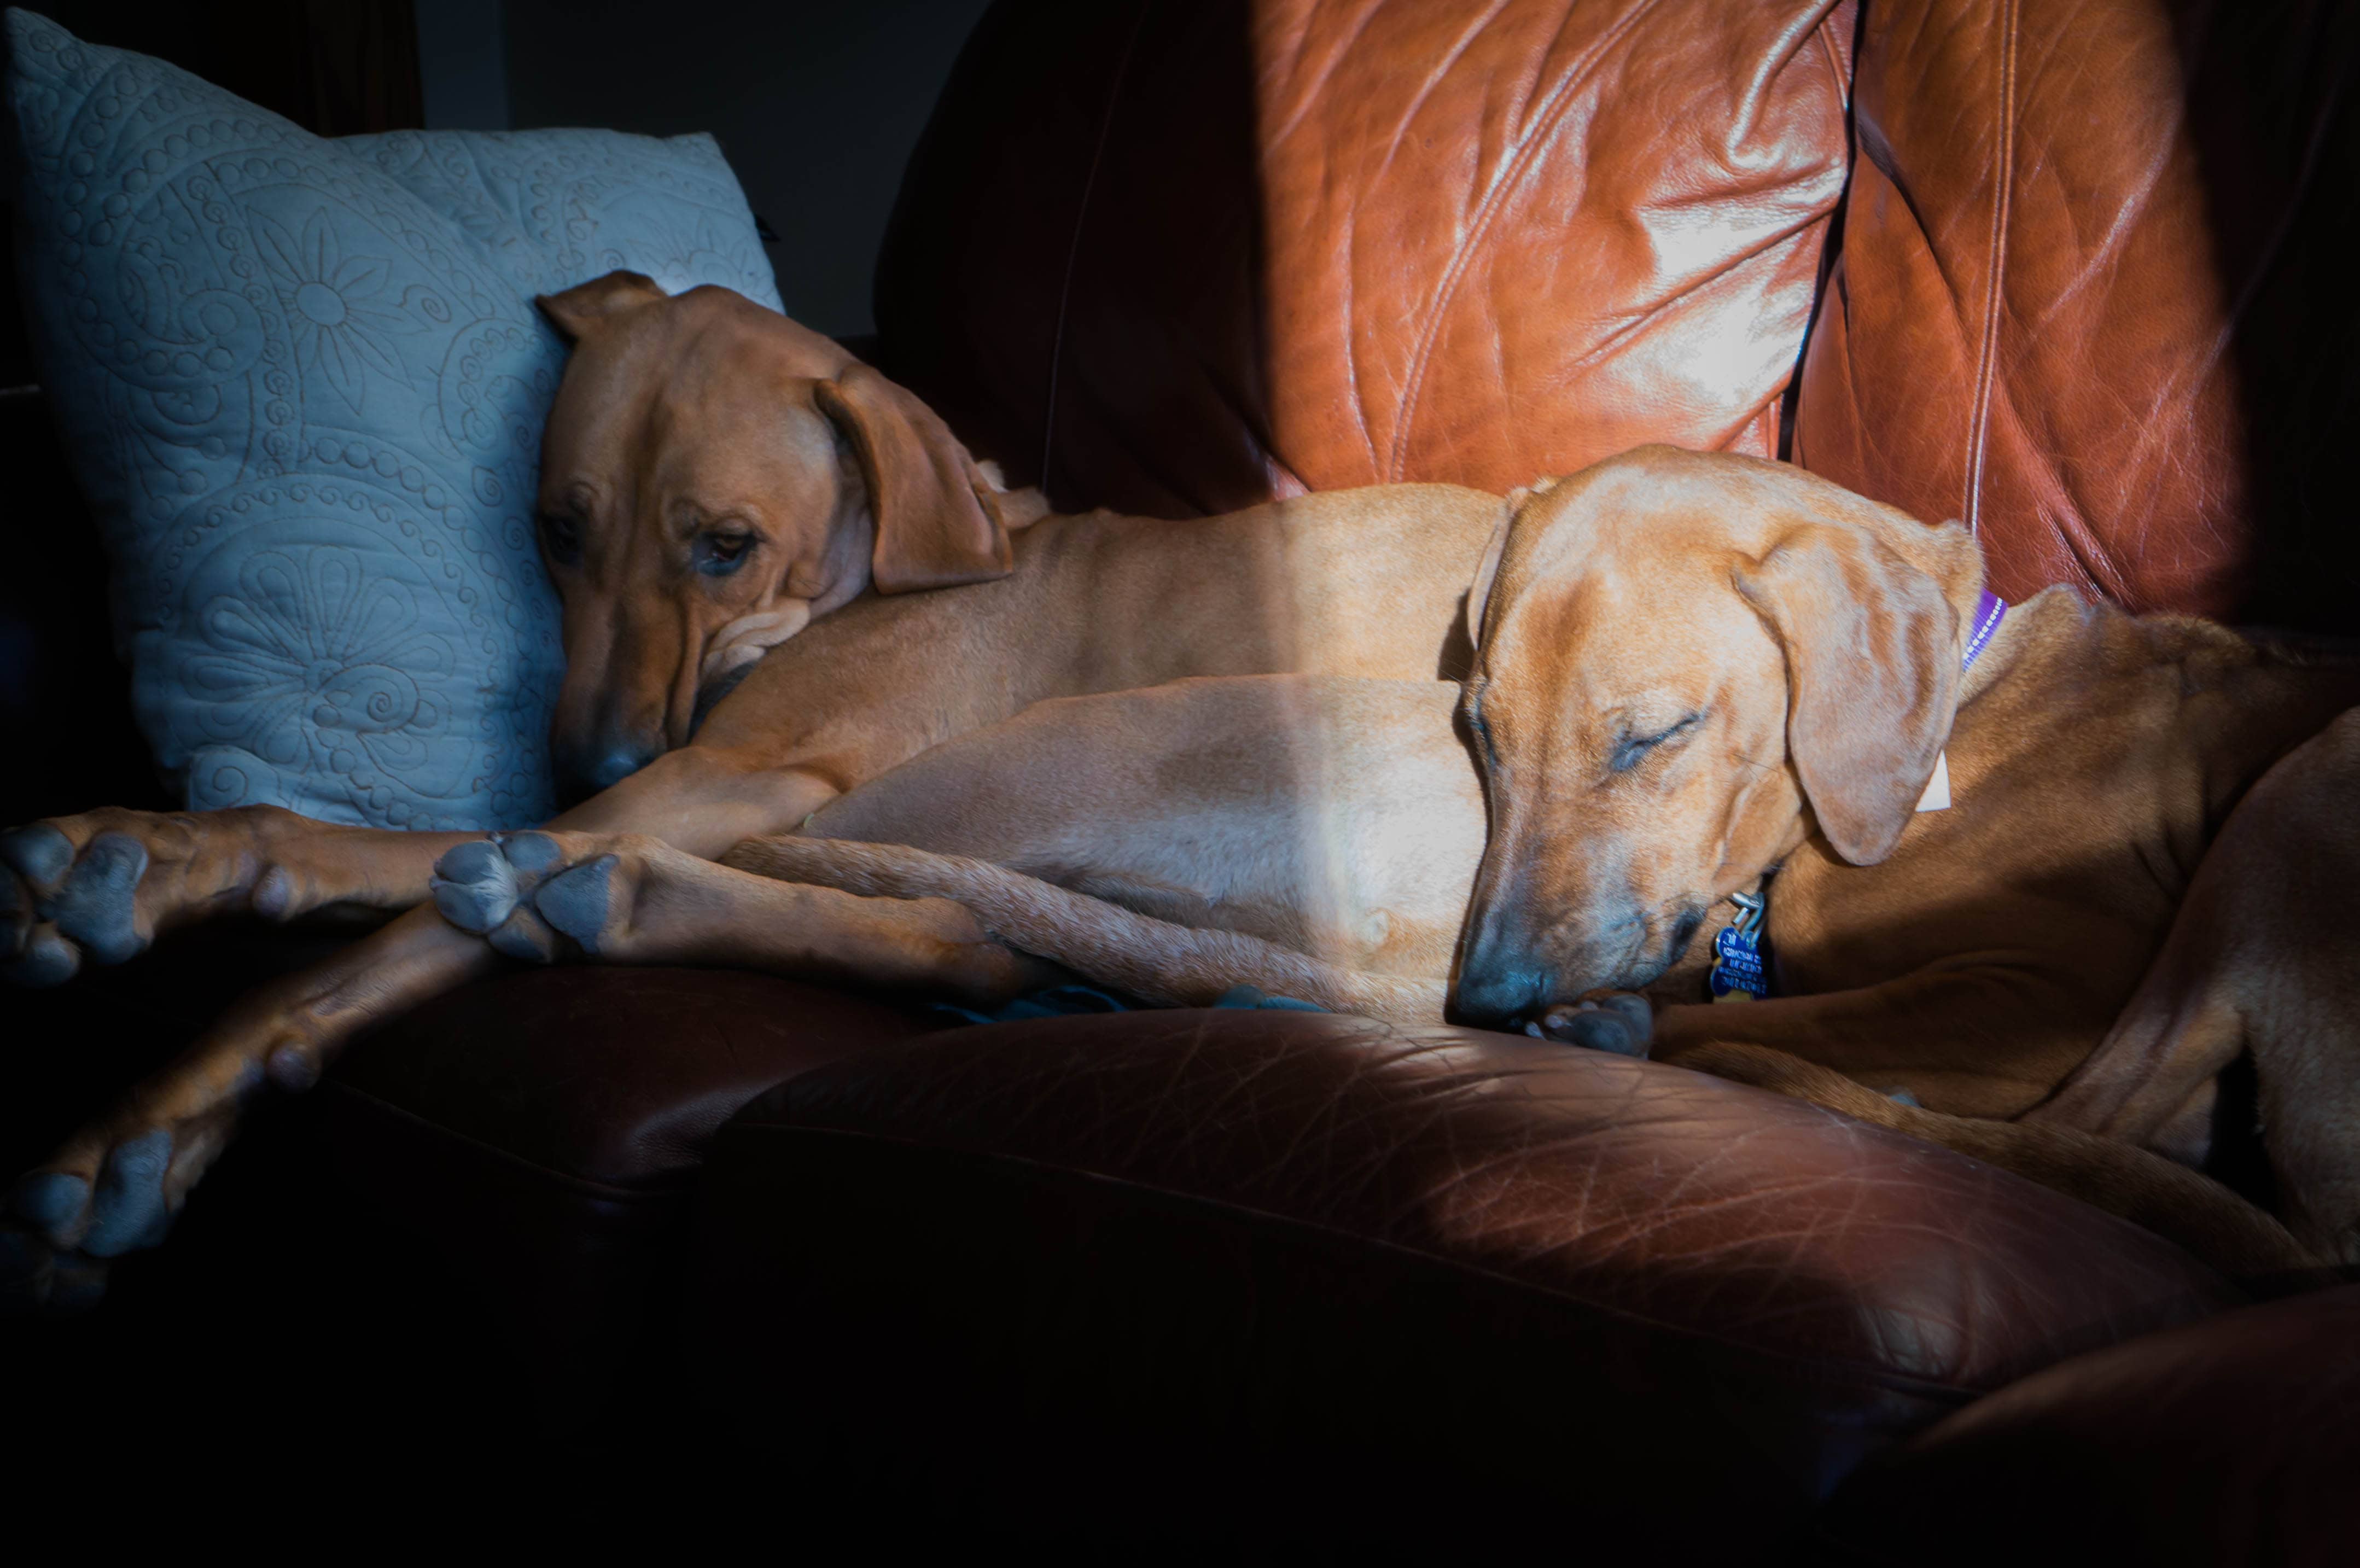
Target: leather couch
{"points": [[2067, 268]]}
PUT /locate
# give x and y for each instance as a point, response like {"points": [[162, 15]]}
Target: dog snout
{"points": [[1494, 989]]}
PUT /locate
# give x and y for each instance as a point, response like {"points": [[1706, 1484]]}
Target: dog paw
{"points": [[64, 907], [1616, 1021], [60, 906], [118, 1185], [518, 892], [123, 1200]]}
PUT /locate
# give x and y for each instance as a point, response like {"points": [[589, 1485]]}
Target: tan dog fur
{"points": [[1771, 660], [681, 419], [1997, 961]]}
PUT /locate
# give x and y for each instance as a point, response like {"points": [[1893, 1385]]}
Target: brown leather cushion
{"points": [[2094, 296], [2232, 1441], [1267, 1234], [1177, 258], [545, 1130]]}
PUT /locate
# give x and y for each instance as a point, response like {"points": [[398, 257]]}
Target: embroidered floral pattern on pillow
{"points": [[304, 384]]}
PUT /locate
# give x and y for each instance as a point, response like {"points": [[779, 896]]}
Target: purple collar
{"points": [[1989, 612]]}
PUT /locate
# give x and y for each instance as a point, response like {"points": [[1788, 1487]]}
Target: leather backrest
{"points": [[2092, 295], [1175, 257]]}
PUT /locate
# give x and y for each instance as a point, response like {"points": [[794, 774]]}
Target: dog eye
{"points": [[718, 555], [562, 536], [1634, 750]]}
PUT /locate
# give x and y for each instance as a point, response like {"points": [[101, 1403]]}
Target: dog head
{"points": [[713, 477], [1685, 664]]}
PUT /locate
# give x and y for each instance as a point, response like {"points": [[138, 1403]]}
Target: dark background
{"points": [[815, 104]]}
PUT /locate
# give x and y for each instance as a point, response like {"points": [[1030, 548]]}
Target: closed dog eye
{"points": [[1634, 749]]}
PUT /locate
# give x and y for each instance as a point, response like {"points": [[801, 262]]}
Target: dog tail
{"points": [[1153, 960]]}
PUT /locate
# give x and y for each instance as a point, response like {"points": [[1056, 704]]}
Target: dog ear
{"points": [[1872, 649], [583, 306], [1479, 593], [1479, 596], [938, 522]]}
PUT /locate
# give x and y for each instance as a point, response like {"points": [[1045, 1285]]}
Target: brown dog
{"points": [[717, 481], [1694, 671]]}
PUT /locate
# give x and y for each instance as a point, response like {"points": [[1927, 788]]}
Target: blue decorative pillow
{"points": [[304, 386]]}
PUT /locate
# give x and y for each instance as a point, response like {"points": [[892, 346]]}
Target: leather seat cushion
{"points": [[544, 1128], [1224, 1232], [2234, 1440]]}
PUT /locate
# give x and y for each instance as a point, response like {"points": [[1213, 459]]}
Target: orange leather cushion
{"points": [[1178, 259], [2091, 296]]}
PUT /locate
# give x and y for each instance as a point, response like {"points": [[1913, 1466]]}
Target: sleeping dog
{"points": [[781, 576], [1685, 672], [1691, 673]]}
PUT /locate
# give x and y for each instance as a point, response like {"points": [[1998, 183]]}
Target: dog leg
{"points": [[117, 1183], [2277, 955], [100, 887], [2261, 958], [1985, 1041], [628, 898], [2145, 1189]]}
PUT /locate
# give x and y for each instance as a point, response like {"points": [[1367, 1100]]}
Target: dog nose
{"points": [[1494, 992]]}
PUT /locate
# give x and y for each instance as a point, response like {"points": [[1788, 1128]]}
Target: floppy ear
{"points": [[583, 306], [1479, 596], [1871, 651], [938, 523]]}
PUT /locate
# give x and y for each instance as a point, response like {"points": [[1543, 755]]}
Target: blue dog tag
{"points": [[1739, 972]]}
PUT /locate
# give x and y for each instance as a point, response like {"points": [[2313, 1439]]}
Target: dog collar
{"points": [[1989, 611], [1740, 969]]}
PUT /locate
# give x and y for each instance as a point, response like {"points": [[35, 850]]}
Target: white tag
{"points": [[1937, 797]]}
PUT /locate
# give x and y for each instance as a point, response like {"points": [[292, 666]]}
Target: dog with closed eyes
{"points": [[1685, 672], [1692, 675]]}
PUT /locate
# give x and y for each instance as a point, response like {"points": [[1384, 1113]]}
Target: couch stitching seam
{"points": [[2004, 182]]}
